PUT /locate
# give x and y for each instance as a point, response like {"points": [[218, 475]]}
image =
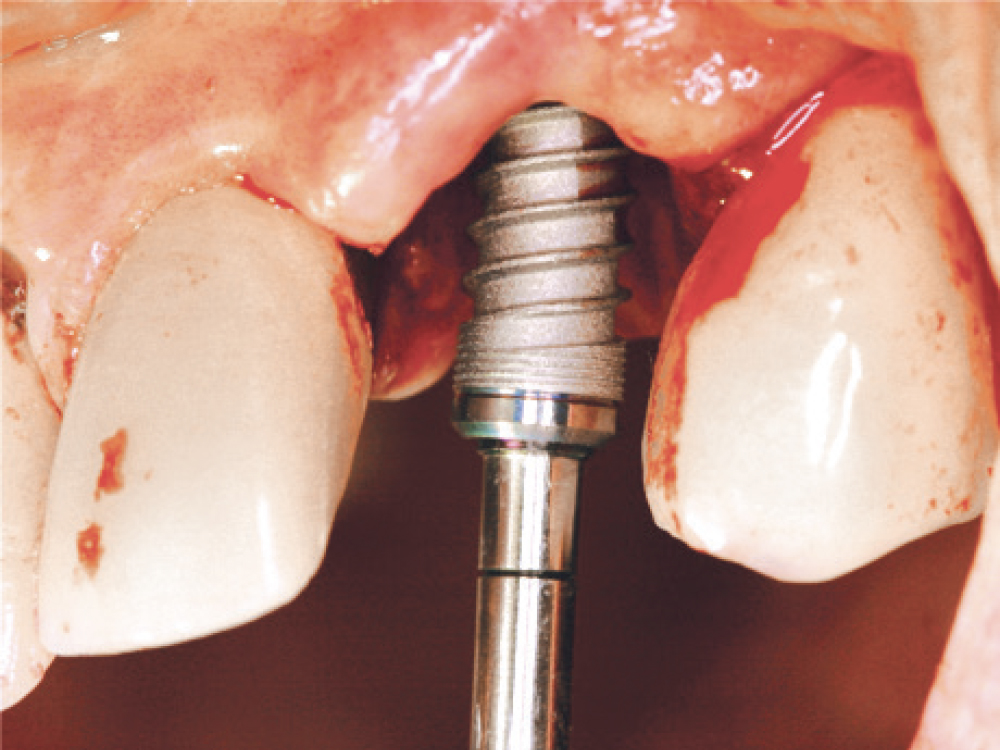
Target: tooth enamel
{"points": [[963, 710], [209, 430], [840, 405], [30, 426]]}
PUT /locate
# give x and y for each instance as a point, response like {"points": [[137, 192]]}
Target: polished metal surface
{"points": [[529, 512], [537, 377], [535, 418], [524, 639]]}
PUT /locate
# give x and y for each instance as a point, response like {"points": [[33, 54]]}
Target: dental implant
{"points": [[538, 376]]}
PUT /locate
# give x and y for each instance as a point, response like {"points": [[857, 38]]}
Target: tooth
{"points": [[836, 402], [209, 430], [953, 42], [30, 426], [963, 710]]}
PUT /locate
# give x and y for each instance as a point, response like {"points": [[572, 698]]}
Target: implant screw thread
{"points": [[537, 377]]}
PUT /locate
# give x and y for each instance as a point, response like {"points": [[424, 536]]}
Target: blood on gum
{"points": [[246, 182]]}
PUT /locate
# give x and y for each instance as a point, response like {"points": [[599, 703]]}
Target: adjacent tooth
{"points": [[209, 431], [836, 402], [963, 710], [30, 427]]}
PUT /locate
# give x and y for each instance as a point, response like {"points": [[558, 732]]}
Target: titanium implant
{"points": [[537, 377]]}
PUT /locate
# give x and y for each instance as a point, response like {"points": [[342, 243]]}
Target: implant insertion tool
{"points": [[538, 377]]}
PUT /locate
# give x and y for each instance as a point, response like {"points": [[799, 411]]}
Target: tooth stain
{"points": [[891, 218], [963, 272], [14, 337], [195, 276], [939, 319], [677, 521], [960, 507], [70, 335], [353, 321], [851, 254], [961, 246], [89, 549], [112, 476]]}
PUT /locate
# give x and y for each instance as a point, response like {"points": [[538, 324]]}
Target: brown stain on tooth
{"points": [[353, 322], [89, 549], [112, 477], [70, 335]]}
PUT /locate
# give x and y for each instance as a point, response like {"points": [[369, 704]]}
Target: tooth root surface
{"points": [[209, 430], [30, 427], [838, 403]]}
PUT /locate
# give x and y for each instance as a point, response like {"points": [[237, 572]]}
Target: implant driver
{"points": [[538, 375]]}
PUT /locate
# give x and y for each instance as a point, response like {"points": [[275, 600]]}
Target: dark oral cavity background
{"points": [[674, 649], [420, 299]]}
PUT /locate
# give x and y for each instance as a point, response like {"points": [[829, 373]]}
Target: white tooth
{"points": [[209, 431], [963, 710], [951, 42], [840, 404], [30, 426]]}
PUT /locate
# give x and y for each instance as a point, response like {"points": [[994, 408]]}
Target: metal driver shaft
{"points": [[537, 378]]}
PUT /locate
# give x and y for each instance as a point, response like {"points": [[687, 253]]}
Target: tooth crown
{"points": [[30, 427], [840, 404], [209, 430]]}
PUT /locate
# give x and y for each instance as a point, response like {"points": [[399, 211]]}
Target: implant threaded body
{"points": [[546, 288]]}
